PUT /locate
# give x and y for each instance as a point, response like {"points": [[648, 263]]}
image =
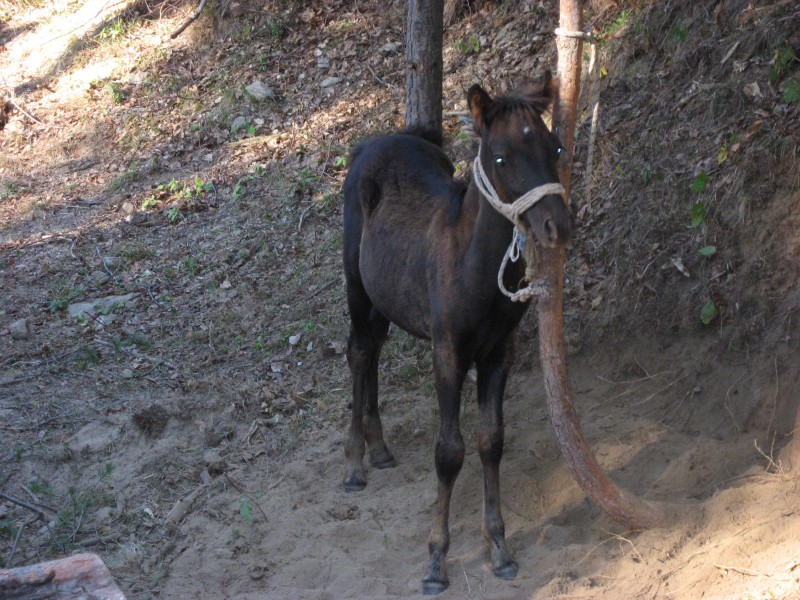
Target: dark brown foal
{"points": [[423, 251]]}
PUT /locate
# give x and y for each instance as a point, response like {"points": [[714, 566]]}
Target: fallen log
{"points": [[77, 577]]}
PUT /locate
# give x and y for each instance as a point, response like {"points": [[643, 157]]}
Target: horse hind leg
{"points": [[379, 455], [367, 333]]}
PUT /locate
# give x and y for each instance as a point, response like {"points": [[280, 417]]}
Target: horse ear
{"points": [[549, 86], [479, 102]]}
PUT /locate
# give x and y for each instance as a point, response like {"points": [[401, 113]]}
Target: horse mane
{"points": [[537, 97]]}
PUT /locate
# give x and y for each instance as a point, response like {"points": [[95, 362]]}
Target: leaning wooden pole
{"points": [[619, 504]]}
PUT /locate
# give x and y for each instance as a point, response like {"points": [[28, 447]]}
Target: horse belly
{"points": [[393, 272]]}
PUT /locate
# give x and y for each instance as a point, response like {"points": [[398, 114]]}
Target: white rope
{"points": [[513, 212]]}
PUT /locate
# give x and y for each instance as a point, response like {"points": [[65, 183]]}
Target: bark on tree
{"points": [[619, 504], [424, 65], [79, 576]]}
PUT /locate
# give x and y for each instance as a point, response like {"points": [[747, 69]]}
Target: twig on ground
{"points": [[136, 354], [188, 21], [246, 495], [105, 266], [751, 572], [727, 396], [381, 81], [303, 216], [40, 516], [614, 536], [771, 464]]}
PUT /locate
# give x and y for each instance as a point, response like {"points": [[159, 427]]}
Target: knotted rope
{"points": [[513, 212]]}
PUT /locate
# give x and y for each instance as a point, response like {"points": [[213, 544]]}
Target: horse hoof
{"points": [[432, 588], [507, 571], [354, 485]]}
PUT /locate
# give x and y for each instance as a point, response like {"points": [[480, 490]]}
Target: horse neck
{"points": [[490, 238]]}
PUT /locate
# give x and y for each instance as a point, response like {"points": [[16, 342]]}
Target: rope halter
{"points": [[513, 212]]}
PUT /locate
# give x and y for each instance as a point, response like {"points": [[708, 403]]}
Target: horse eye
{"points": [[559, 150], [499, 161]]}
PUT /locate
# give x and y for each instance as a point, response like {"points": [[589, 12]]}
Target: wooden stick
{"points": [[188, 21]]}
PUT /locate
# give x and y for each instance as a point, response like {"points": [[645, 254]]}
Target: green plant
{"points": [[151, 202], [125, 179], [174, 215], [115, 30], [306, 179], [700, 182], [467, 45], [782, 63], [62, 301], [189, 264], [246, 33], [708, 313], [791, 91], [707, 251], [118, 95], [246, 510], [308, 326], [341, 162], [276, 28], [112, 31], [41, 488], [679, 32], [698, 214], [240, 187], [201, 187], [87, 357], [645, 173], [8, 190], [618, 24]]}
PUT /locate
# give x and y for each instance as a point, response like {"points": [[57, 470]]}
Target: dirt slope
{"points": [[190, 429]]}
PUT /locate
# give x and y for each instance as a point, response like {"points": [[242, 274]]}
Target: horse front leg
{"points": [[492, 375], [450, 373]]}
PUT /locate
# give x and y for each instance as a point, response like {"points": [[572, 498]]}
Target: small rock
{"points": [[391, 47], [323, 62], [98, 277], [259, 91], [283, 405], [103, 514], [330, 81], [225, 285], [111, 261], [126, 373], [294, 339], [238, 123], [101, 305], [20, 329], [128, 208]]}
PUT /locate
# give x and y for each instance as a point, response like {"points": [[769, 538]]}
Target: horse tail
{"points": [[431, 135]]}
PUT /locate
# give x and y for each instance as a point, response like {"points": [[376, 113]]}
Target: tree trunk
{"points": [[424, 65], [619, 504]]}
